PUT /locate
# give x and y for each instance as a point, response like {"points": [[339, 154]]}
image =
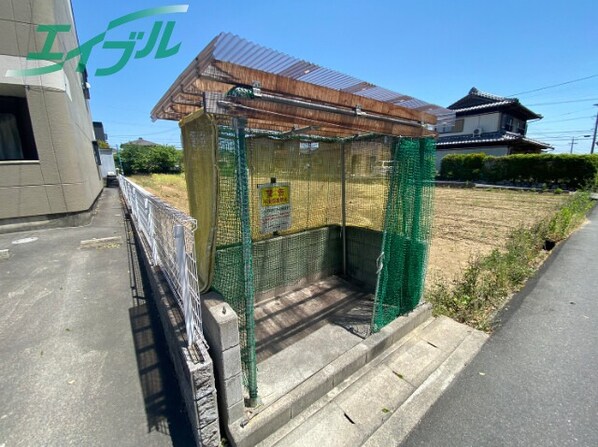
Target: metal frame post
{"points": [[181, 263], [594, 137], [344, 209], [152, 232], [243, 200], [390, 199]]}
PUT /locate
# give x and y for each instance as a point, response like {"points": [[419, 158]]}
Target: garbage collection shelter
{"points": [[312, 191]]}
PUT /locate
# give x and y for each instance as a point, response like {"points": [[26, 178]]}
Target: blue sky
{"points": [[433, 50]]}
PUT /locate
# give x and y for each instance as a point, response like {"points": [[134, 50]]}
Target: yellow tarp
{"points": [[200, 145]]}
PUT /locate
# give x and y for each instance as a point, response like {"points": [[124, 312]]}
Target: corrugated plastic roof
{"points": [[230, 48]]}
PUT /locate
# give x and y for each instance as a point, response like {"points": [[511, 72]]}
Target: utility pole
{"points": [[572, 143], [594, 139], [120, 162]]}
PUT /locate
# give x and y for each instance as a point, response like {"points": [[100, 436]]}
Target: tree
{"points": [[138, 159]]}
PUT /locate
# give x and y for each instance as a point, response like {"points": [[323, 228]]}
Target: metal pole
{"points": [[344, 209], [594, 138], [152, 235], [120, 162], [572, 143], [181, 263], [243, 200]]}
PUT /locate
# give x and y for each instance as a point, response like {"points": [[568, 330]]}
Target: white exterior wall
{"points": [[489, 122], [107, 160]]}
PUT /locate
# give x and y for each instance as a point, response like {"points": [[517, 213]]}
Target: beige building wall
{"points": [[64, 177]]}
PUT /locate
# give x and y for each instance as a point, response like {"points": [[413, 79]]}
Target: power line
{"points": [[553, 85], [141, 132], [543, 132], [568, 119], [561, 102]]}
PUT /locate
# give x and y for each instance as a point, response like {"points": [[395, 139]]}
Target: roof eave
{"points": [[186, 94]]}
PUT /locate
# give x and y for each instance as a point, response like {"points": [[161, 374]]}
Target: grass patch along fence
{"points": [[488, 282]]}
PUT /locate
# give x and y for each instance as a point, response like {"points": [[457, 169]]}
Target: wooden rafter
{"points": [[236, 74]]}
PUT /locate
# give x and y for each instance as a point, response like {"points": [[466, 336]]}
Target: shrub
{"points": [[136, 159], [562, 170], [462, 167]]}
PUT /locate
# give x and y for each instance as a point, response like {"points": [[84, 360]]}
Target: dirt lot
{"points": [[467, 222]]}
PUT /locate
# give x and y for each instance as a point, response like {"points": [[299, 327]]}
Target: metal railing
{"points": [[168, 235]]}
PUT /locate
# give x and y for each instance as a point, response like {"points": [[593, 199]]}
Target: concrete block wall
{"points": [[284, 260], [193, 365], [221, 329], [363, 249], [282, 263]]}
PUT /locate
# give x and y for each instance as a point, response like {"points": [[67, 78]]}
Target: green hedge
{"points": [[136, 159], [564, 170]]}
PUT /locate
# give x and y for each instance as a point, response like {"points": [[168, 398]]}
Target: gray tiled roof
{"points": [[483, 106], [493, 137]]}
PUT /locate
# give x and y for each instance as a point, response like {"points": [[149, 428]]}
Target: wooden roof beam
{"points": [[292, 115], [272, 83]]}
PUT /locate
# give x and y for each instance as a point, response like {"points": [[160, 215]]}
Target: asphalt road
{"points": [[82, 357], [535, 382]]}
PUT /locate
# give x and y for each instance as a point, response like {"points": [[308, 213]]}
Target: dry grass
{"points": [[468, 223], [169, 187]]}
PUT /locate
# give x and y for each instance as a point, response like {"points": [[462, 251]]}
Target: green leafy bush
{"points": [[136, 159], [564, 170]]}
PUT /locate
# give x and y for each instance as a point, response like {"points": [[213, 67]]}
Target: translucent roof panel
{"points": [[229, 48], [234, 49]]}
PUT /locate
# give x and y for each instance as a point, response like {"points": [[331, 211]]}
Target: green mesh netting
{"points": [[407, 231], [386, 194], [233, 272]]}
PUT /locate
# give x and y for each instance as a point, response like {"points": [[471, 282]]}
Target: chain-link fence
{"points": [[168, 236]]}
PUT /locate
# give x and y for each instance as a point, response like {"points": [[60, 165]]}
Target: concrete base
{"points": [[221, 329], [268, 419], [382, 402], [48, 221], [193, 365]]}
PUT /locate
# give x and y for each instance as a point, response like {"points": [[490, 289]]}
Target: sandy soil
{"points": [[467, 222]]}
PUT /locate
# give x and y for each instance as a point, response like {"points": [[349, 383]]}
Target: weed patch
{"points": [[488, 281]]}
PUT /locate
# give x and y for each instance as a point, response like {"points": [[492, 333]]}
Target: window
{"points": [[507, 123], [16, 133], [457, 127], [521, 127], [96, 152]]}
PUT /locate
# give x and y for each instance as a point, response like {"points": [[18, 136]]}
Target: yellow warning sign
{"points": [[275, 195], [274, 207]]}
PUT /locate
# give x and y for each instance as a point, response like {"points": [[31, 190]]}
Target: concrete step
{"points": [[289, 407], [383, 401]]}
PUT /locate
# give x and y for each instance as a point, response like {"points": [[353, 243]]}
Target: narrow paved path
{"points": [[82, 356], [535, 382]]}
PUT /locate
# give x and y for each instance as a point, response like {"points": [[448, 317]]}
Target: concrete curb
{"points": [[104, 242], [271, 418], [396, 429], [48, 221]]}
